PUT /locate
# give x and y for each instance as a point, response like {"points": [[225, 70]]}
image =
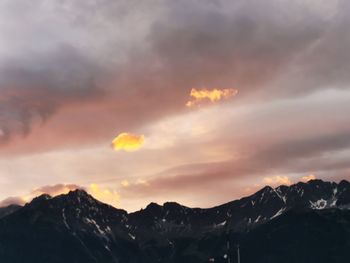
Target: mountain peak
{"points": [[171, 204], [315, 181], [153, 207], [40, 198], [78, 192], [264, 190], [344, 183], [267, 188], [79, 196], [75, 197]]}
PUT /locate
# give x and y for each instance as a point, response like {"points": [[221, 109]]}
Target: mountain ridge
{"points": [[318, 195], [81, 191], [75, 227]]}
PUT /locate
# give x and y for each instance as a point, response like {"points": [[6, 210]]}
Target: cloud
{"points": [[74, 75], [248, 44], [32, 94], [105, 195], [128, 142], [12, 201], [277, 180], [199, 96], [55, 190], [257, 166], [285, 180], [308, 178], [185, 185], [125, 183], [245, 43]]}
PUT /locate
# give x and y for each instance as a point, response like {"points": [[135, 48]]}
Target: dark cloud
{"points": [[300, 149], [147, 73], [34, 89], [325, 64], [244, 44]]}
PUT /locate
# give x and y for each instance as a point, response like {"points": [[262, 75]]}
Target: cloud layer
{"points": [[74, 74], [247, 44]]}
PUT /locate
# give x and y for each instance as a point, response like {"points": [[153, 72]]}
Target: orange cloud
{"points": [[205, 95], [277, 180], [308, 178], [125, 183], [104, 195], [128, 142]]}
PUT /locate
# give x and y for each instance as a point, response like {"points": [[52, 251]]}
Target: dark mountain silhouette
{"points": [[305, 222], [4, 211]]}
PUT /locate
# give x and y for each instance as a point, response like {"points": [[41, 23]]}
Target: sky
{"points": [[195, 101]]}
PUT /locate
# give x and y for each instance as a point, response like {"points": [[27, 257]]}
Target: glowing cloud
{"points": [[277, 180], [128, 142], [199, 96], [125, 183], [142, 182], [104, 195], [308, 178]]}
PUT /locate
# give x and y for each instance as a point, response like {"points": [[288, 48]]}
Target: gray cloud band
{"points": [[257, 47]]}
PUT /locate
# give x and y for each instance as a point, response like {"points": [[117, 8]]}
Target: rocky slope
{"points": [[272, 222]]}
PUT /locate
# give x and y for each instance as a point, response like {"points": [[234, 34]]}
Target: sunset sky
{"points": [[195, 101]]}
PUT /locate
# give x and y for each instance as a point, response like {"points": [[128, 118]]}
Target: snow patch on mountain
{"points": [[279, 212], [319, 204], [64, 218]]}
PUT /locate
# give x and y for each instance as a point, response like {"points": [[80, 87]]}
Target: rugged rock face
{"points": [[67, 228], [77, 228]]}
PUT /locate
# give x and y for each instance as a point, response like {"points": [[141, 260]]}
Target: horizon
{"points": [[172, 201], [199, 102]]}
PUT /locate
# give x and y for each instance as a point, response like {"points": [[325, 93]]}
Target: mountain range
{"points": [[305, 222]]}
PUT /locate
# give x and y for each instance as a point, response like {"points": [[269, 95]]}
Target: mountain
{"points": [[67, 228], [246, 213], [301, 236], [4, 211], [297, 223], [297, 236]]}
